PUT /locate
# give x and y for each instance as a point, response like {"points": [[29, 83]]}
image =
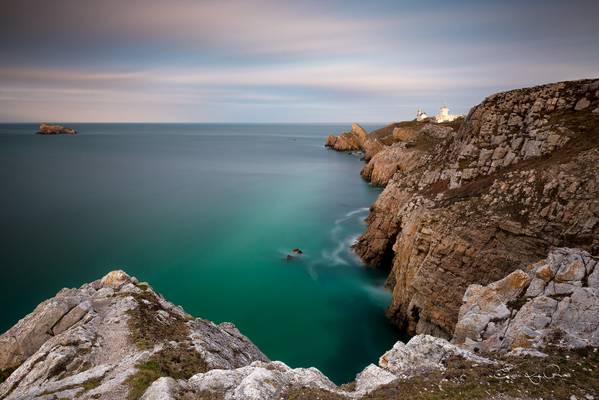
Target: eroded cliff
{"points": [[116, 338], [472, 204]]}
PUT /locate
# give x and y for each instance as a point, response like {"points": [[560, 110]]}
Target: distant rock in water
{"points": [[294, 253], [47, 129]]}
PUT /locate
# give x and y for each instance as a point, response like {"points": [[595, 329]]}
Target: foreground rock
{"points": [[47, 129], [554, 301], [116, 338], [473, 204], [110, 339]]}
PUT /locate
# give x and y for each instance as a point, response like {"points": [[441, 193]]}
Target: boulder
{"points": [[424, 353], [554, 302], [259, 381]]}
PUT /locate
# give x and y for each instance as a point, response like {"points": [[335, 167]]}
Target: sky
{"points": [[281, 61]]}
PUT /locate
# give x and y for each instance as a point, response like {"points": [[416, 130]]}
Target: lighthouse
{"points": [[421, 115], [445, 116]]}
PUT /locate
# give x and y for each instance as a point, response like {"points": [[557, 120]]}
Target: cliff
{"points": [[116, 338], [473, 202]]}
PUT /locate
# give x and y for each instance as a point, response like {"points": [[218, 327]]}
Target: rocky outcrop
{"points": [[554, 301], [423, 354], [116, 338], [107, 339], [47, 129], [275, 380], [348, 141], [473, 205], [372, 147], [384, 164]]}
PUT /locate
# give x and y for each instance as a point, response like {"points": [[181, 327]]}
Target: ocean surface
{"points": [[206, 214]]}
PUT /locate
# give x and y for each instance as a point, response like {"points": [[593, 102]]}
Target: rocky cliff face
{"points": [[554, 301], [110, 339], [116, 338], [472, 204]]}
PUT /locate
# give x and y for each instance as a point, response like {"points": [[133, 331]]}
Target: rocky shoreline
{"points": [[471, 201], [116, 338], [489, 228]]}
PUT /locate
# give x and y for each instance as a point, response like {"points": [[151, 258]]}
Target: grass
{"points": [[177, 362], [146, 373], [145, 330], [559, 376]]}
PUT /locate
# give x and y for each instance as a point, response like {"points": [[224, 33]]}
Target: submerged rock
{"points": [[47, 129], [293, 254]]}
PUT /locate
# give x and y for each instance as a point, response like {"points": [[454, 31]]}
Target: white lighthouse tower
{"points": [[445, 116]]}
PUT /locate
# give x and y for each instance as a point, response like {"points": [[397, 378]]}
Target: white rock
{"points": [[164, 388], [373, 377], [424, 353]]}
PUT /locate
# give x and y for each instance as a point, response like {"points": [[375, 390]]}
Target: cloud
{"points": [[230, 60]]}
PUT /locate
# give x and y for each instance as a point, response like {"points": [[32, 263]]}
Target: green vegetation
{"points": [[179, 362], [559, 376], [145, 330], [146, 373]]}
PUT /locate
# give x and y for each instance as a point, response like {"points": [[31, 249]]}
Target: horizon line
{"points": [[201, 122]]}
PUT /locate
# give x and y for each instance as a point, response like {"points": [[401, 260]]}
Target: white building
{"points": [[445, 116], [421, 115]]}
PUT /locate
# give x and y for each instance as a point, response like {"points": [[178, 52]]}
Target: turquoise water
{"points": [[206, 214]]}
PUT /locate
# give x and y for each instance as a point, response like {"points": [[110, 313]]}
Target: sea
{"points": [[207, 214]]}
